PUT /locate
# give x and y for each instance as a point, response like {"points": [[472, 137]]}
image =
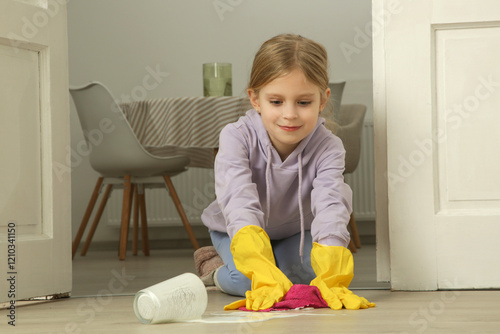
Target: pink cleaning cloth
{"points": [[299, 296]]}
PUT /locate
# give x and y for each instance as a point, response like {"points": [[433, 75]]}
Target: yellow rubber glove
{"points": [[253, 257], [334, 268]]}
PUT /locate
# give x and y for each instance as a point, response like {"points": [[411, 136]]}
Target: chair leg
{"points": [[352, 247], [144, 221], [354, 230], [180, 209], [135, 238], [97, 218], [86, 216], [126, 208]]}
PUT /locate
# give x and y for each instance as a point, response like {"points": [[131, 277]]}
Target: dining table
{"points": [[187, 126]]}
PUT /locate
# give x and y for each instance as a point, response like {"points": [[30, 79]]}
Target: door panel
{"points": [[20, 177], [467, 117], [35, 220]]}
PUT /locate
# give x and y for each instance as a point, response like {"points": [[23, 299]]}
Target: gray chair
{"points": [[347, 124], [122, 162], [332, 108], [350, 126]]}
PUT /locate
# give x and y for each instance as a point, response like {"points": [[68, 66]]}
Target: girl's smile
{"points": [[289, 128]]}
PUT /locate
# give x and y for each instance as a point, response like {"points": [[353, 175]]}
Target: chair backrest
{"points": [[350, 120], [110, 139], [347, 124], [335, 100], [337, 91]]}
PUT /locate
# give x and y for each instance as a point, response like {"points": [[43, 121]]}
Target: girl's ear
{"points": [[325, 99], [254, 99]]}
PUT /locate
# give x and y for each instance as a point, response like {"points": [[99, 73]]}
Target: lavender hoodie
{"points": [[254, 187]]}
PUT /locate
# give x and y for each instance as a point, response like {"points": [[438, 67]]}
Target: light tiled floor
{"points": [[396, 312], [104, 289]]}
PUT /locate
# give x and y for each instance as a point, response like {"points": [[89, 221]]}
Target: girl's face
{"points": [[289, 107]]}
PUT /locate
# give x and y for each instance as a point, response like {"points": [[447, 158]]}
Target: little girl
{"points": [[282, 207]]}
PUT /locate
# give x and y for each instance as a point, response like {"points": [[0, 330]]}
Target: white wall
{"points": [[119, 42]]}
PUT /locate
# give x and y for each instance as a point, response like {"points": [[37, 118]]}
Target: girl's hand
{"points": [[334, 268], [338, 297], [253, 257]]}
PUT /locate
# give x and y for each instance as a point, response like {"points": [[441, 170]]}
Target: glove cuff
{"points": [[252, 242], [332, 264]]}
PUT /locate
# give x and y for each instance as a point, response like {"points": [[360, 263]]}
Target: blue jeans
{"points": [[287, 256]]}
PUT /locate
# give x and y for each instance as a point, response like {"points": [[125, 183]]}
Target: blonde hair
{"points": [[284, 53]]}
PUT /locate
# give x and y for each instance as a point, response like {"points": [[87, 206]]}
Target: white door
{"points": [[35, 217], [437, 92]]}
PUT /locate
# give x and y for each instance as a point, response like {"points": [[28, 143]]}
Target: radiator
{"points": [[196, 190], [362, 181]]}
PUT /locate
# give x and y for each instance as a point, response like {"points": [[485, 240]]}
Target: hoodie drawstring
{"points": [[268, 187], [301, 248]]}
